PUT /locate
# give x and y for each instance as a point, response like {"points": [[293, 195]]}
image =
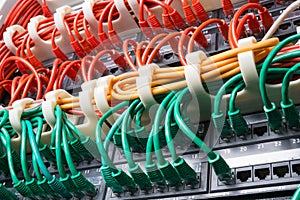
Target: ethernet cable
{"points": [[30, 182], [52, 181], [139, 177], [289, 110], [184, 170], [296, 195], [77, 178], [236, 119], [219, 165], [115, 178], [165, 169], [272, 113]]}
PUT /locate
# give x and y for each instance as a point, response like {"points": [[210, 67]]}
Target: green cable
{"points": [[36, 152], [23, 152], [168, 133], [6, 141], [125, 143], [238, 123], [17, 184], [221, 91], [99, 142], [155, 129], [68, 156], [286, 82], [219, 165], [58, 153], [114, 178], [267, 63], [233, 95], [54, 184], [296, 195], [184, 127], [139, 177], [289, 109]]}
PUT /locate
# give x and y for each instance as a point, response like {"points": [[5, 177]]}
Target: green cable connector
{"points": [[170, 174], [35, 188], [117, 138], [71, 187], [23, 189], [75, 156], [221, 168], [291, 114], [16, 160], [47, 189], [238, 123], [6, 194], [140, 178], [186, 172], [296, 195], [47, 153], [59, 188], [222, 126], [155, 175], [81, 150], [274, 117], [110, 181], [125, 181], [4, 165], [84, 185]]}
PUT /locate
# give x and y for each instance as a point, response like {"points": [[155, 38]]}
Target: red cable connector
{"points": [[59, 54], [119, 60], [227, 8], [201, 40], [77, 48], [36, 63], [254, 25], [72, 73], [21, 67], [189, 14], [106, 43], [85, 46], [200, 11], [177, 20], [115, 39], [146, 30], [243, 32], [93, 41], [168, 24], [224, 29], [266, 18], [155, 24]]}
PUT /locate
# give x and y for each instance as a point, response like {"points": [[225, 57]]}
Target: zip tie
{"points": [[143, 83], [8, 37], [100, 96]]}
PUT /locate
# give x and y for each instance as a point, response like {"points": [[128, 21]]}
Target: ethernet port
{"points": [[244, 175], [262, 173], [260, 130], [268, 5], [281, 170], [295, 168]]}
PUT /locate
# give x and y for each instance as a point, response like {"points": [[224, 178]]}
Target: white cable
{"points": [[281, 18]]}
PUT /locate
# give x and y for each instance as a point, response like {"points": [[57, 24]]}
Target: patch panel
{"points": [[260, 133], [201, 168]]}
